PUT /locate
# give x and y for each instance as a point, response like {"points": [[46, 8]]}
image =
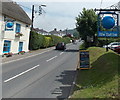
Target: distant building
{"points": [[14, 28], [41, 31], [59, 33]]}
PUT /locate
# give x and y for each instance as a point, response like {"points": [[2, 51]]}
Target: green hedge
{"points": [[103, 41], [57, 39], [47, 42], [38, 41]]}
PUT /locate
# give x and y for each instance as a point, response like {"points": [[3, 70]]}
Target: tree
{"points": [[76, 35], [86, 23]]}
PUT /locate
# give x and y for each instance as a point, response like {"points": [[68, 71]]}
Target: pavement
{"points": [[26, 55], [40, 74]]}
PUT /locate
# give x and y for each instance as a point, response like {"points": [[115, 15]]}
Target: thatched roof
{"points": [[13, 10]]}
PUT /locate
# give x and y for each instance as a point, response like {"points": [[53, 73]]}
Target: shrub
{"points": [[36, 41], [47, 42], [66, 40]]}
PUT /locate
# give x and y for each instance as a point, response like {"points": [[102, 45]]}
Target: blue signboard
{"points": [[108, 24], [108, 34]]}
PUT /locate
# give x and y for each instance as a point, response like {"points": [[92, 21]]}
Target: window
{"points": [[18, 27], [6, 48]]}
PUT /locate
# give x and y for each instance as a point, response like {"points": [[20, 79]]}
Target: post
{"points": [[107, 45], [32, 17], [30, 37]]}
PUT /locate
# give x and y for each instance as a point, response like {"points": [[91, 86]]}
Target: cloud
{"points": [[60, 15]]}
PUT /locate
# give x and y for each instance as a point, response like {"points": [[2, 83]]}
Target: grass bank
{"points": [[101, 81]]}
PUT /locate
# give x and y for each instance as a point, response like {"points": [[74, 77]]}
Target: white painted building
{"points": [[57, 33], [41, 31], [14, 29]]}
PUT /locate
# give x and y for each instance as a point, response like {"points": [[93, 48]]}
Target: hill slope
{"points": [[101, 81]]}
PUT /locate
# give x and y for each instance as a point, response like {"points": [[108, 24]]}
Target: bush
{"points": [[38, 41], [55, 39], [66, 40], [103, 41], [47, 42]]}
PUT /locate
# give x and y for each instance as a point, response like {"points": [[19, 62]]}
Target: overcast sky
{"points": [[61, 14]]}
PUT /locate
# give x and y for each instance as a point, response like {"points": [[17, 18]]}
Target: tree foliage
{"points": [[86, 23]]}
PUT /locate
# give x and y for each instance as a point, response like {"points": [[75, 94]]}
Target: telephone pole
{"points": [[32, 17], [32, 26]]}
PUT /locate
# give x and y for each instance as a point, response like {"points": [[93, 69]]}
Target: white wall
{"points": [[1, 34], [10, 35]]}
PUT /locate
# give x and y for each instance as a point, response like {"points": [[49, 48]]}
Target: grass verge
{"points": [[101, 81]]}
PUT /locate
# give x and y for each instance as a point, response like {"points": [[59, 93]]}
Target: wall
{"points": [[10, 35]]}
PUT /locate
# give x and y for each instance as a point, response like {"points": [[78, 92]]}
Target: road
{"points": [[47, 75]]}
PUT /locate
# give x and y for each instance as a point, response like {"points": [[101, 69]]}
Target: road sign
{"points": [[84, 59], [108, 33], [108, 24]]}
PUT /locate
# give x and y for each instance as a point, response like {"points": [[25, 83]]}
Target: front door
{"points": [[7, 45], [20, 46]]}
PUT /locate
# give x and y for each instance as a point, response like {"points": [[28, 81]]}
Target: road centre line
{"points": [[21, 74], [51, 58], [25, 57], [61, 53]]}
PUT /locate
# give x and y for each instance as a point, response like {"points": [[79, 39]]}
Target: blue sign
{"points": [[108, 22], [108, 25], [9, 24], [108, 34]]}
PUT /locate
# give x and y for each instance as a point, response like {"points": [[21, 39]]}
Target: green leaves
{"points": [[86, 23]]}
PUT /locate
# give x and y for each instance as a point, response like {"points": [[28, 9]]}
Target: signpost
{"points": [[108, 24], [84, 59]]}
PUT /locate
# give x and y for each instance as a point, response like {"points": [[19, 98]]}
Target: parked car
{"points": [[112, 45], [61, 46], [117, 49]]}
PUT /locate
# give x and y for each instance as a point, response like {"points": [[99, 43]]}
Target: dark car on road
{"points": [[61, 46]]}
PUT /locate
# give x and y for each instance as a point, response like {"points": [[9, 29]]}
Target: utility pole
{"points": [[32, 26], [32, 17]]}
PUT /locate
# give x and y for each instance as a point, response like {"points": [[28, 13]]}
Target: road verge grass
{"points": [[101, 81]]}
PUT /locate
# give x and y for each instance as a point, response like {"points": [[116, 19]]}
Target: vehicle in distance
{"points": [[115, 45], [117, 49], [61, 46], [112, 45]]}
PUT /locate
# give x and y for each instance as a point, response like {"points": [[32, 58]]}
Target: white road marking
{"points": [[25, 57], [20, 74], [51, 58], [61, 53]]}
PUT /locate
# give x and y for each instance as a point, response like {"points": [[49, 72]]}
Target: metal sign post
{"points": [[108, 23]]}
